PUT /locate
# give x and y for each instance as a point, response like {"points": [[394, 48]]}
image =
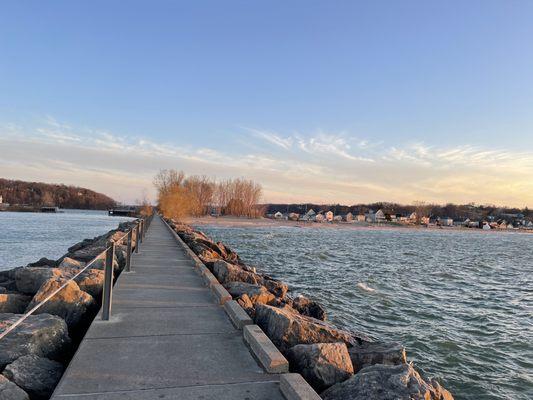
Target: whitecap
{"points": [[364, 287]]}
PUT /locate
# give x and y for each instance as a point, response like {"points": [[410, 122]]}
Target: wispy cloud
{"points": [[324, 167]]}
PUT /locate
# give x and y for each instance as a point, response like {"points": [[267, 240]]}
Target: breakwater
{"points": [[338, 363], [33, 355]]}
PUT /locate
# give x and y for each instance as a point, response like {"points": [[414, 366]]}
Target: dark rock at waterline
{"points": [[366, 354], [387, 382], [286, 328], [29, 280], [256, 293], [38, 376], [13, 303], [43, 335], [322, 364], [10, 391], [70, 303], [309, 307], [226, 272], [43, 262], [7, 285]]}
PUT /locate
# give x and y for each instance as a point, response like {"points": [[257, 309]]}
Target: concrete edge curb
{"points": [[237, 315], [221, 293], [295, 387], [264, 350]]}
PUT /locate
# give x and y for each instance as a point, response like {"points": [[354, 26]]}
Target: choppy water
{"points": [[26, 237], [461, 302]]}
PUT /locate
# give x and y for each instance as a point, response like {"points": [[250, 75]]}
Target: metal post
{"points": [[128, 252], [141, 226], [108, 281], [137, 241]]}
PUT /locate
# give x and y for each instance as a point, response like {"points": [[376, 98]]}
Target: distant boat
{"points": [[49, 209]]}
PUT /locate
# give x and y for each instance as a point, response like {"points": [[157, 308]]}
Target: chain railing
{"points": [[139, 230]]}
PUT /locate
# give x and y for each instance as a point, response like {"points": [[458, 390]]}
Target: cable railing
{"points": [[139, 229]]}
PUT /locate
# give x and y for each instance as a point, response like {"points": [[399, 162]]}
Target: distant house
{"points": [[380, 216], [466, 222], [337, 218], [486, 226], [320, 217], [329, 216], [278, 215], [370, 216], [413, 217], [310, 213], [446, 221], [361, 218], [294, 216], [425, 220], [348, 217]]}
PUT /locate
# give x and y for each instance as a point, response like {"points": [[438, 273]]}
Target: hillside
{"points": [[46, 194]]}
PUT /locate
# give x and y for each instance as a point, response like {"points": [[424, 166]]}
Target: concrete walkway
{"points": [[167, 338]]}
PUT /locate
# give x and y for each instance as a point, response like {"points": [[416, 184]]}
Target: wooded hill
{"points": [[46, 194]]}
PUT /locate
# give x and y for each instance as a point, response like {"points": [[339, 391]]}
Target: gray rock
{"points": [[99, 263], [38, 376], [70, 263], [226, 272], [91, 281], [14, 303], [387, 382], [256, 293], [322, 364], [30, 279], [308, 307], [43, 335], [274, 286], [71, 303], [365, 354], [10, 391], [286, 328], [43, 262]]}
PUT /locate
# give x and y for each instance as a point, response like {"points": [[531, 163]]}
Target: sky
{"points": [[319, 101]]}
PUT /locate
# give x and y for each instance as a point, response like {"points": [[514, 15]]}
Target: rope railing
{"points": [[139, 228]]}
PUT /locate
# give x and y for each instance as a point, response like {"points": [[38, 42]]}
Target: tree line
{"points": [[180, 196], [38, 194]]}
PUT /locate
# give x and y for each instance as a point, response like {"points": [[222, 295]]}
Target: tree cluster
{"points": [[180, 196], [39, 194]]}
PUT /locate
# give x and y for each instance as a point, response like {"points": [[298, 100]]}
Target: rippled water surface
{"points": [[26, 237], [461, 302]]}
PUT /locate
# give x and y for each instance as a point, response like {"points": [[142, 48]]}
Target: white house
{"points": [[310, 213], [486, 226], [278, 215], [413, 217], [348, 217], [380, 216], [337, 218], [320, 217], [446, 221], [329, 216]]}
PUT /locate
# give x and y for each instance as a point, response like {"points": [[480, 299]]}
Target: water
{"points": [[461, 302], [26, 237]]}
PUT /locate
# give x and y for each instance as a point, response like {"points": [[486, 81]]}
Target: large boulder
{"points": [[366, 354], [308, 307], [70, 263], [205, 253], [226, 272], [256, 293], [38, 376], [286, 328], [91, 281], [43, 335], [321, 364], [43, 262], [387, 382], [30, 279], [277, 287], [99, 263], [13, 303], [70, 303], [10, 391]]}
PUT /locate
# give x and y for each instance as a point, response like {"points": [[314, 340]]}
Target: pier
{"points": [[169, 337]]}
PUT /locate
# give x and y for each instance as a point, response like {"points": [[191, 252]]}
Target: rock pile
{"points": [[337, 363], [34, 355]]}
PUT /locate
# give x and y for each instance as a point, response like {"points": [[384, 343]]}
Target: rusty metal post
{"points": [[107, 291], [128, 252]]}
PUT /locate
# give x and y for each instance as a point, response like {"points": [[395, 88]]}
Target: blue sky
{"points": [[321, 101]]}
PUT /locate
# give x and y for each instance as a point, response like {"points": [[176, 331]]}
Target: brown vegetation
{"points": [[45, 194], [180, 196]]}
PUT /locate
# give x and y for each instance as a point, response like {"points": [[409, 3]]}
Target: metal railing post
{"points": [[128, 251], [108, 281], [141, 226], [137, 241]]}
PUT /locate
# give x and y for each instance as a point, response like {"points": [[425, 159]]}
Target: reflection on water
{"points": [[461, 302]]}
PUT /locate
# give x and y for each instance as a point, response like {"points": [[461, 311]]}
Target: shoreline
{"points": [[244, 222]]}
